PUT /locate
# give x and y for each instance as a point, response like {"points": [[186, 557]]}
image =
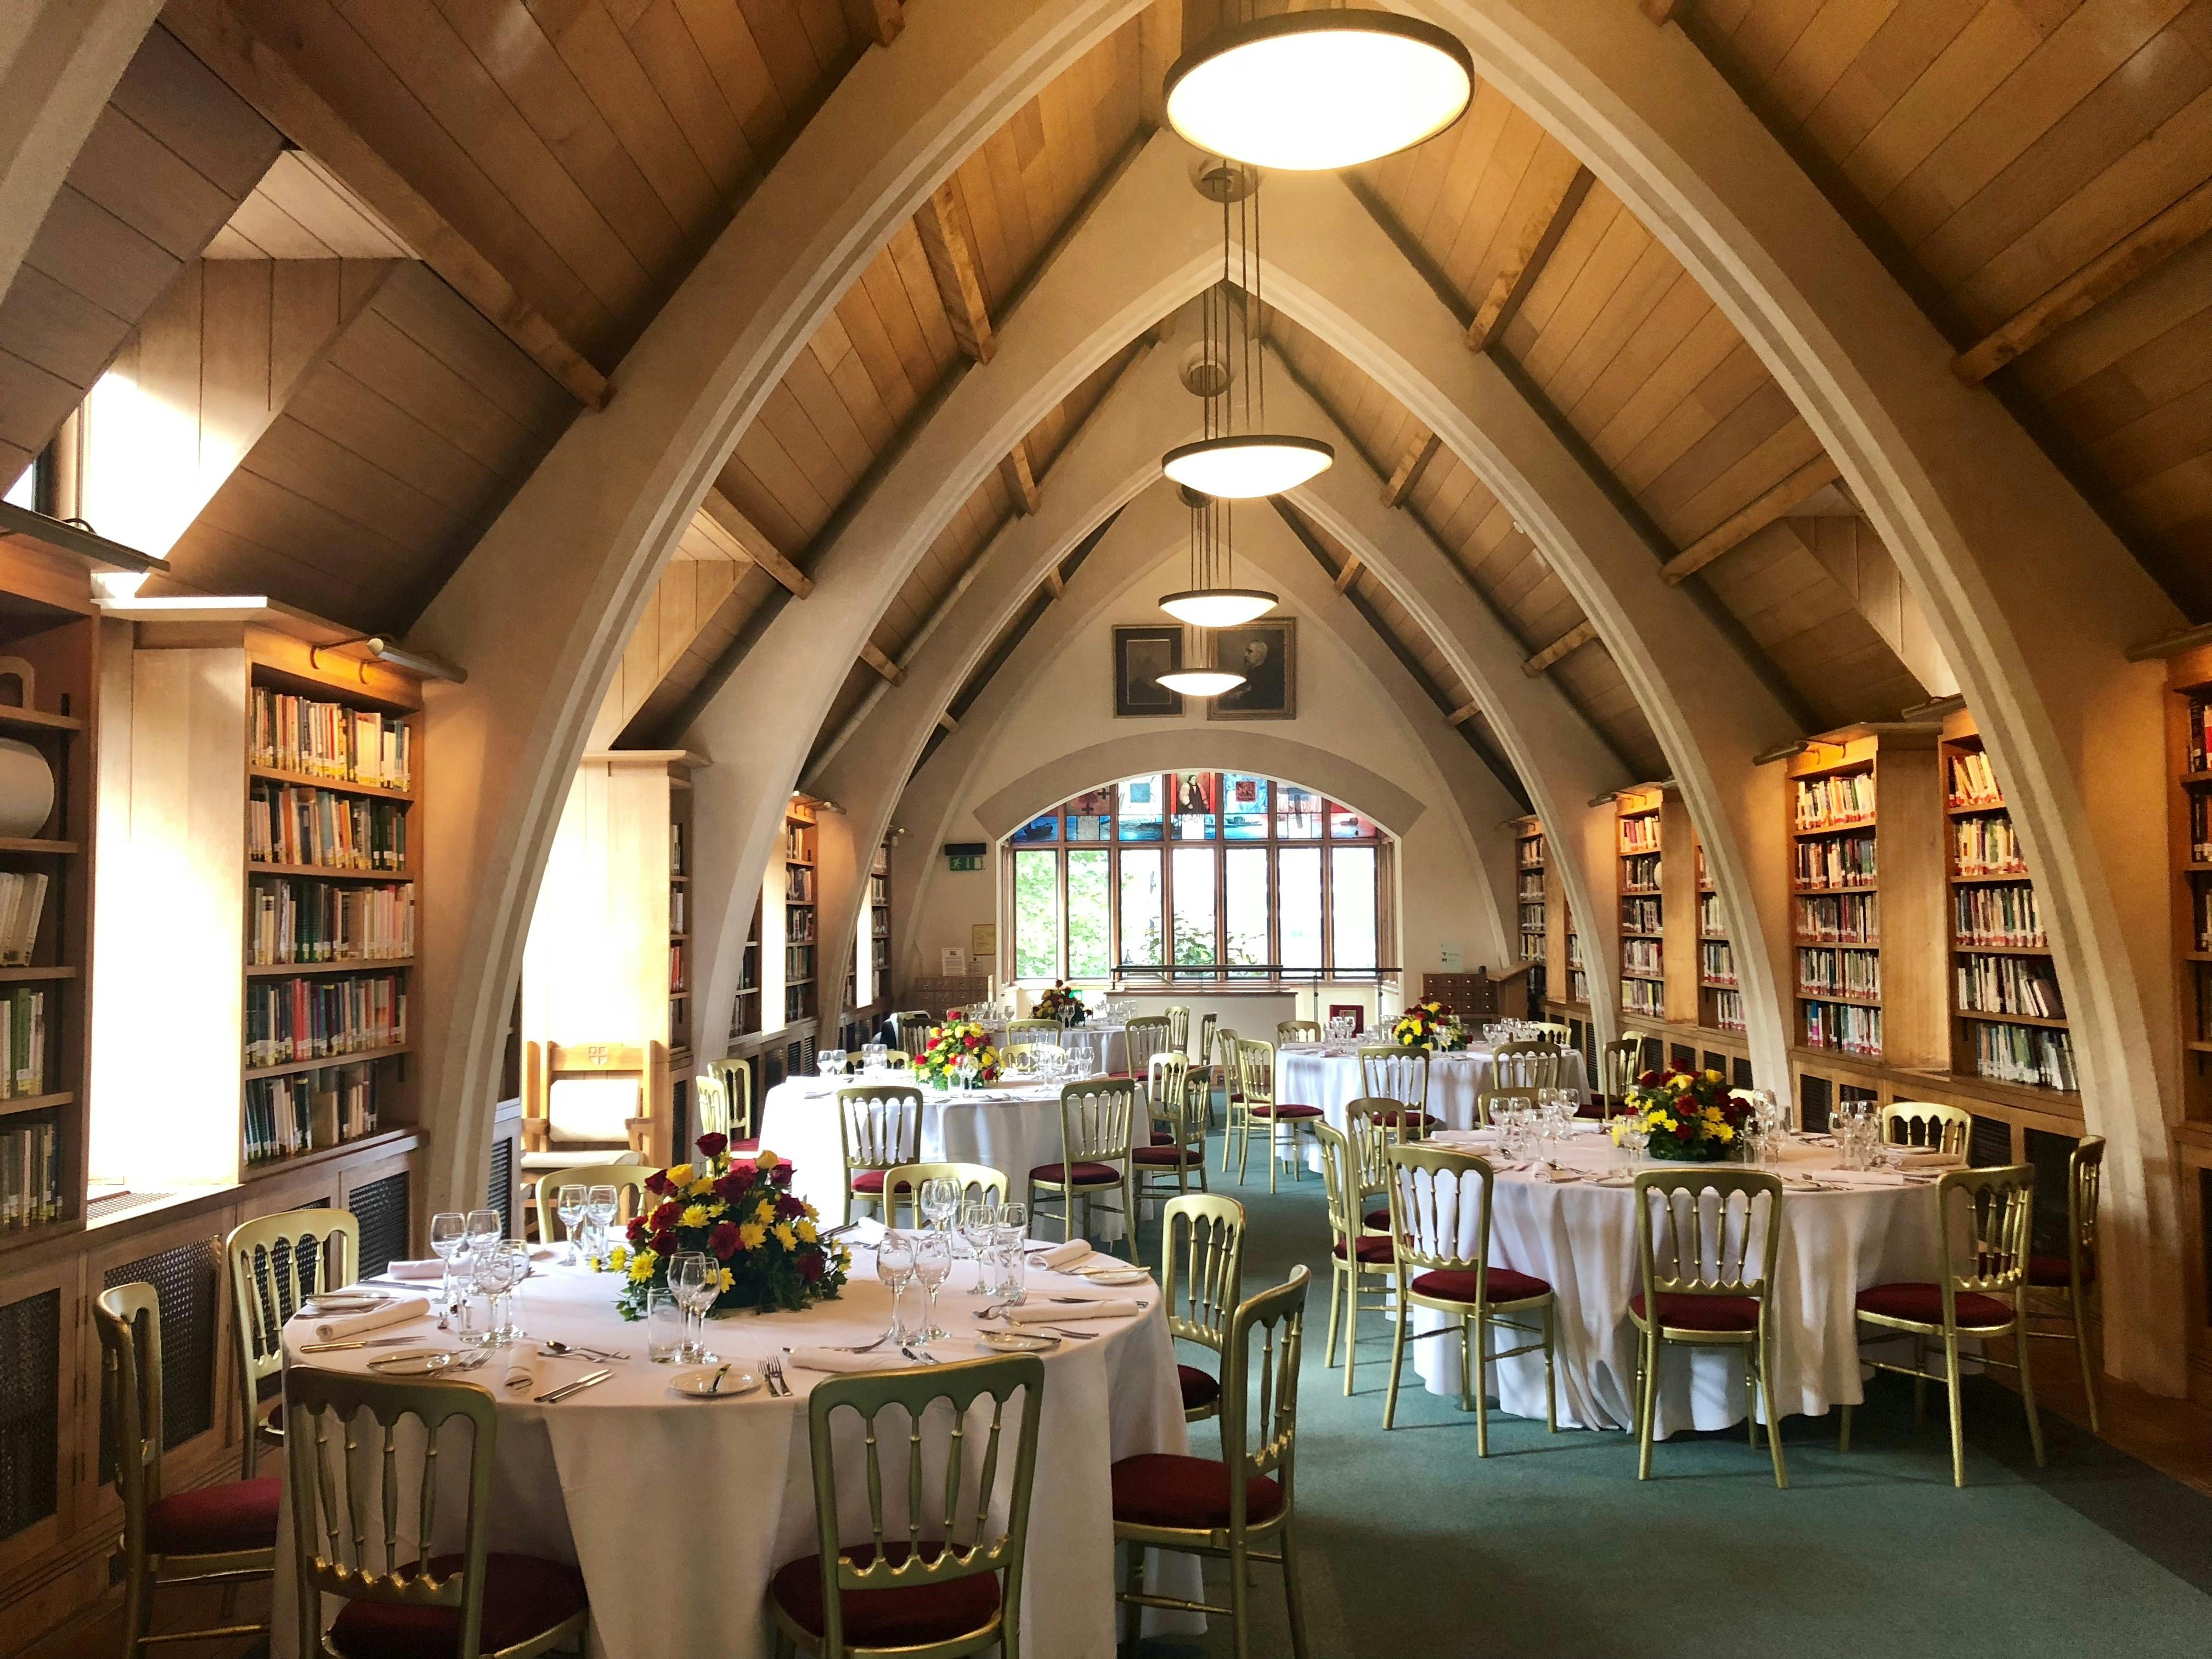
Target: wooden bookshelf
{"points": [[1638, 835], [879, 925], [2189, 715], [801, 933], [1530, 894], [746, 1010], [1720, 1002]]}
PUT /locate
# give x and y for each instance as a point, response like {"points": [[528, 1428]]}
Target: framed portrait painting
{"points": [[1141, 655], [1266, 654]]}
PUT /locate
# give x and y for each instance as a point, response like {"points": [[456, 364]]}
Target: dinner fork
{"points": [[776, 1380], [1058, 1330]]}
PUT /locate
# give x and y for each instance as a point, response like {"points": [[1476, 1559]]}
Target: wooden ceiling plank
{"points": [[264, 79], [1540, 237], [943, 226], [1159, 43], [1573, 640], [1419, 451], [753, 545], [2153, 242], [1815, 475]]}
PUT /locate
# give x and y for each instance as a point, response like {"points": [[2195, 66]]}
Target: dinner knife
{"points": [[590, 1380]]}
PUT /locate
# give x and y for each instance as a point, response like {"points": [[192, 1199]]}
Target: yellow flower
{"points": [[765, 1162], [1722, 1132], [1678, 1083], [693, 1216], [805, 1231], [717, 1208], [728, 1279], [764, 1211], [1711, 1076], [844, 1258], [641, 1270], [752, 1233], [618, 1256], [679, 1175], [784, 1237], [702, 1183]]}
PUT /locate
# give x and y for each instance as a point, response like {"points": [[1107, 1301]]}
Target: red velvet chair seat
{"points": [[1160, 1489], [1162, 1138], [1283, 1110], [1083, 1174], [1458, 1285], [1680, 1312], [1377, 1218], [900, 1616], [745, 1148], [869, 1181], [1376, 1252], [1923, 1304], [1199, 1390], [524, 1596], [1429, 1120], [1165, 1157], [2050, 1273], [214, 1520]]}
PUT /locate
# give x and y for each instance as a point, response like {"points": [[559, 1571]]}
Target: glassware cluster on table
{"points": [[1537, 1129], [1342, 1028], [996, 1234], [876, 1062], [1512, 1030], [481, 1261], [1856, 1126]]}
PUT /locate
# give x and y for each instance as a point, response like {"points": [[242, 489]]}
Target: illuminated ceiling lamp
{"points": [[1212, 600], [1311, 90]]}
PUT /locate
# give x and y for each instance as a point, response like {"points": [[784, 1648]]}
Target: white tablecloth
{"points": [[1308, 1074], [677, 1512], [1579, 1237], [1106, 1042], [1014, 1129]]}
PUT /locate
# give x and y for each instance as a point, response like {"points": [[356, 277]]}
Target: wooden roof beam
{"points": [[1464, 713], [946, 722], [1573, 640], [1539, 236], [258, 72], [942, 224], [1349, 574], [875, 22], [1816, 474], [2151, 243], [1055, 584], [1020, 478], [883, 665], [1420, 449], [750, 540]]}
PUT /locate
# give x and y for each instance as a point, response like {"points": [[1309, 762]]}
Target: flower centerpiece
{"points": [[1691, 1116], [1063, 1004], [957, 1047], [741, 1212], [1427, 1024]]}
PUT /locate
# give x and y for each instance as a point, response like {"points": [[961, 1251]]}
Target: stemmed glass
{"points": [[484, 1231], [568, 1205], [495, 1276], [933, 1263], [696, 1279], [449, 1237], [940, 1202], [1635, 1136], [979, 1222], [895, 1265], [599, 1211], [1012, 1251], [515, 1255]]}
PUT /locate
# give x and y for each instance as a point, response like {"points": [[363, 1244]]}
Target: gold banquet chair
{"points": [[223, 1534], [1296, 1030], [1619, 1064], [1096, 1118], [2072, 1277], [1358, 1259], [1256, 1072], [1928, 1126], [1176, 1149], [275, 1262], [938, 1580], [1389, 1071], [879, 1127], [1201, 1280], [902, 1185]]}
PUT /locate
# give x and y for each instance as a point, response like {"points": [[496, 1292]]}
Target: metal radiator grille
{"points": [[30, 1410], [2049, 1154], [1740, 1069], [381, 1208], [1990, 1144], [190, 1288], [1813, 1098], [500, 1194]]}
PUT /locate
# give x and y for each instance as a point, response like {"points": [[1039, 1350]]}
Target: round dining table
{"points": [[679, 1510], [1012, 1126], [1573, 1226], [1327, 1075], [1106, 1042]]}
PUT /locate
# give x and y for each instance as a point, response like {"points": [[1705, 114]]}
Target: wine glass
{"points": [[449, 1237], [940, 1202], [599, 1211], [484, 1229], [696, 1279], [515, 1255], [493, 1270], [568, 1205], [895, 1265], [978, 1220], [933, 1263]]}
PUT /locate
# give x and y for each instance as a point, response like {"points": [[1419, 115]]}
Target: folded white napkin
{"points": [[1063, 1255], [521, 1375], [432, 1268], [1051, 1313], [834, 1359], [1930, 1160], [342, 1327]]}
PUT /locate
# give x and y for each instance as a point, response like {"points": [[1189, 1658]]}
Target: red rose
{"points": [[657, 1183], [1646, 1080], [714, 1144], [638, 1229], [665, 1216], [663, 1244], [788, 1208], [724, 1241], [780, 1175], [732, 1187], [812, 1266]]}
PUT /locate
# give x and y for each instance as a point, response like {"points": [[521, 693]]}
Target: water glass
{"points": [[569, 1206], [599, 1211], [895, 1267], [979, 1221], [940, 1202], [449, 1237], [1010, 1251], [667, 1327], [484, 1229], [696, 1278], [875, 1058], [933, 1265]]}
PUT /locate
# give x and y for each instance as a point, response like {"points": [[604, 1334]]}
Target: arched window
{"points": [[1185, 878]]}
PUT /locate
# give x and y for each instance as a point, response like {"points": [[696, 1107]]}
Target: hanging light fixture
{"points": [[1207, 604], [1311, 90], [1226, 462]]}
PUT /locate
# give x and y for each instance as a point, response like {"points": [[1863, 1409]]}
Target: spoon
{"points": [[556, 1349]]}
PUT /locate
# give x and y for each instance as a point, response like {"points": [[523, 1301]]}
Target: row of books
{"points": [[1844, 919], [23, 902], [298, 823], [798, 926], [30, 1174], [1844, 1028], [1973, 780], [1711, 922], [1849, 862], [1577, 986], [1717, 963], [881, 955], [1642, 996], [299, 919], [329, 740], [679, 908], [1641, 916], [676, 867], [1832, 803], [1574, 952], [1532, 886], [2200, 729], [2025, 1054], [1998, 915], [295, 1019], [798, 962], [2009, 984], [1640, 956], [1532, 916], [23, 1044], [2200, 827], [680, 965], [288, 1115], [1532, 946], [1986, 846], [799, 883], [1532, 853], [1640, 871], [795, 843], [1728, 1010], [879, 889], [1839, 972], [1640, 834]]}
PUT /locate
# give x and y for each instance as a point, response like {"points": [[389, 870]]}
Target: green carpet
{"points": [[1412, 1546]]}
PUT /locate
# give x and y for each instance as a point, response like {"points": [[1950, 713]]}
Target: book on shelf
{"points": [[2200, 729], [2005, 914], [677, 907], [1986, 846], [1728, 1010], [334, 740], [679, 966], [1642, 996], [30, 1174], [22, 905], [1641, 915], [1844, 1028], [1640, 956], [2200, 827], [299, 919], [1574, 951], [23, 1044], [1532, 886], [1531, 947], [1832, 803], [794, 842], [2009, 985], [299, 824], [2025, 1054], [285, 1116], [1640, 834], [675, 847], [1844, 919], [1973, 780], [799, 884], [1825, 972], [1846, 862], [1532, 852], [1711, 922], [1577, 986], [297, 1020], [1717, 963]]}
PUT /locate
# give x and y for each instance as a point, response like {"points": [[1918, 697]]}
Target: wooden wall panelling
{"points": [[300, 210]]}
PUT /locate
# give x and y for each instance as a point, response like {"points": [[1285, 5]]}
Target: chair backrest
{"points": [[1028, 1057], [1227, 1047], [1201, 1052], [1340, 1184], [275, 1262], [1255, 1072], [627, 1179], [910, 1030], [1440, 1209], [1096, 1117], [977, 1181], [1260, 1428], [1027, 1031], [1555, 1030], [346, 1434], [1619, 1064], [1486, 1102], [129, 1320], [1202, 1266], [1527, 1066], [592, 1094], [1296, 1030], [1166, 1076], [1146, 1036], [1988, 1252], [2085, 1180], [1178, 1019], [737, 1080], [942, 1520], [1388, 1071], [880, 1124], [710, 1105], [1697, 1239], [1374, 1125], [1929, 1124]]}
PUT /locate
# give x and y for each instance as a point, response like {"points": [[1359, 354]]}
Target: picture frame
{"points": [[1141, 655], [1266, 653]]}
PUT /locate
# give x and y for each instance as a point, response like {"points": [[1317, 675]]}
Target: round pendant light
{"points": [[1248, 465], [1319, 89], [1201, 682], [1217, 607]]}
